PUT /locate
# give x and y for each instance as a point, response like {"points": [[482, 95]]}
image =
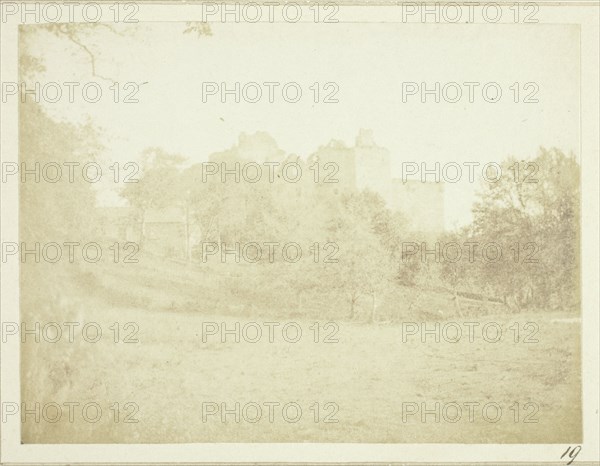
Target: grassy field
{"points": [[358, 389]]}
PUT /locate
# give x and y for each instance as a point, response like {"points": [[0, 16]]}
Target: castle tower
{"points": [[336, 152], [365, 138], [373, 165]]}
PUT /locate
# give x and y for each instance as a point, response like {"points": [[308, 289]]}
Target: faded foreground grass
{"points": [[368, 374]]}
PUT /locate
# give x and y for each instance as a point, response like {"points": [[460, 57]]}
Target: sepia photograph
{"points": [[287, 224]]}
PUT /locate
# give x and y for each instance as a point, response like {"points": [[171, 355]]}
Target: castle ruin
{"points": [[368, 166]]}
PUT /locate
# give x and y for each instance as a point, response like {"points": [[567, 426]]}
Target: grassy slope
{"points": [[369, 373]]}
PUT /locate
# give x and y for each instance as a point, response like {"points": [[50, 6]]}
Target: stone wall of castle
{"points": [[422, 203], [373, 165], [368, 166], [363, 166]]}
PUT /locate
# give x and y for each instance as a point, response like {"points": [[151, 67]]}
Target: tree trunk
{"points": [[373, 301], [143, 229], [188, 252], [457, 303], [511, 307], [352, 301], [486, 300]]}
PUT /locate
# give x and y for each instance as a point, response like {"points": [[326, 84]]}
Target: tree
{"points": [[364, 267], [158, 186], [534, 211]]}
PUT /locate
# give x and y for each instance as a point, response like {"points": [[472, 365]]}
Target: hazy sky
{"points": [[369, 63]]}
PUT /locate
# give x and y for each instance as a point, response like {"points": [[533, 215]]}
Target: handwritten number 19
{"points": [[572, 452]]}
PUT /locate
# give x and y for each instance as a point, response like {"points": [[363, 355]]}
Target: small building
{"points": [[165, 232], [117, 224]]}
